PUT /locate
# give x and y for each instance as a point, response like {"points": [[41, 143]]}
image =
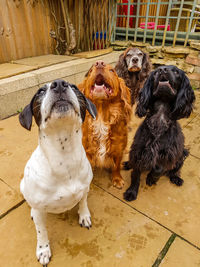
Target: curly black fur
{"points": [[158, 145], [133, 80]]}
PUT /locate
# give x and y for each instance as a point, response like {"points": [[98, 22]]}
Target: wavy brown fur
{"points": [[133, 80]]}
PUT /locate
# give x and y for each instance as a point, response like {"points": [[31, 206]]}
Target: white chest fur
{"points": [[58, 172], [101, 133]]}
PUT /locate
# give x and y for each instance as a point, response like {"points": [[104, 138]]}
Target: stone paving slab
{"points": [[119, 236], [166, 203], [93, 53], [8, 197], [192, 132], [174, 207], [9, 69], [44, 61], [181, 254], [16, 146]]}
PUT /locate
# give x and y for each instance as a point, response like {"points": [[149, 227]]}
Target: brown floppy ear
{"points": [[146, 68], [126, 97]]}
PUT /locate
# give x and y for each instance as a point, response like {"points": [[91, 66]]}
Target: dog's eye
{"points": [[112, 70], [175, 71], [140, 54], [41, 91]]}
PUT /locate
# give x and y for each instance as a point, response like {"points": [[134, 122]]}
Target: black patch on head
{"points": [[84, 103]]}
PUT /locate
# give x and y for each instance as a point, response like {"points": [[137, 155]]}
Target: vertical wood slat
{"points": [[114, 22], [146, 21], [127, 20], [25, 29], [177, 23], [190, 22], [156, 23], [166, 23], [137, 20]]}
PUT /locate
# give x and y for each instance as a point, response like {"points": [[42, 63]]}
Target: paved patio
{"points": [[162, 224]]}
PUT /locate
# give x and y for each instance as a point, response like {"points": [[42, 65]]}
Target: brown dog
{"points": [[134, 67], [105, 139]]}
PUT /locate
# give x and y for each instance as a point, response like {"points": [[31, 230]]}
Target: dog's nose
{"points": [[59, 86], [135, 60], [100, 64], [163, 70]]}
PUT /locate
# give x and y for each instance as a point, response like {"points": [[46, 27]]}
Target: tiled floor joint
{"points": [[164, 251], [11, 209]]}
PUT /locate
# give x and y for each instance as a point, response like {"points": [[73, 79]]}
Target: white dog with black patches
{"points": [[58, 174]]}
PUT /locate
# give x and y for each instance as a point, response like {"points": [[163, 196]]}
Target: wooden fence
{"points": [[38, 27], [24, 29]]}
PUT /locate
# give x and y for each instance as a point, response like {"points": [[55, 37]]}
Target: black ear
{"points": [[25, 117], [144, 98], [185, 99], [91, 108], [86, 104]]}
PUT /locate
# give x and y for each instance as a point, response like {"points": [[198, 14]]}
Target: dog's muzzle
{"points": [[164, 84], [61, 100]]}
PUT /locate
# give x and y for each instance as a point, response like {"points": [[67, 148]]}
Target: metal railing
{"points": [[165, 22]]}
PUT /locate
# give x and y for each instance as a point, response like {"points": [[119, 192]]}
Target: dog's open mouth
{"points": [[61, 106], [100, 87], [166, 83]]}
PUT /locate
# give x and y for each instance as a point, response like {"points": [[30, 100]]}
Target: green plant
{"points": [[19, 110]]}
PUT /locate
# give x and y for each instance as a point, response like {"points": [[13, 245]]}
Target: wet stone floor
{"points": [[162, 227]]}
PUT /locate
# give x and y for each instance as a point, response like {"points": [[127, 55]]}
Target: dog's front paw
{"points": [[118, 182], [43, 253], [130, 194], [150, 181], [176, 180], [85, 220]]}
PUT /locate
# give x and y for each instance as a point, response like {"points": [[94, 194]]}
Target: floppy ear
{"points": [[121, 66], [91, 108], [125, 97], [185, 99], [146, 67], [25, 117], [88, 104], [145, 97]]}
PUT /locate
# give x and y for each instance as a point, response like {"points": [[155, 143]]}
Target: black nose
{"points": [[135, 60], [163, 70], [59, 86], [100, 64]]}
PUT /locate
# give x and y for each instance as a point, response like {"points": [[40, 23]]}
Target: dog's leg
{"points": [[84, 213], [132, 191], [43, 251], [174, 175], [117, 179], [154, 176], [126, 165]]}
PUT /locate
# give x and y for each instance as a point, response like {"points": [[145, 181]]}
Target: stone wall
{"points": [[185, 58]]}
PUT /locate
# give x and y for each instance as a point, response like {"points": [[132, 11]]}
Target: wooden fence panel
{"points": [[24, 29]]}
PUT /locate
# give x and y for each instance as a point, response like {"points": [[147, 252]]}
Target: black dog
{"points": [[158, 145]]}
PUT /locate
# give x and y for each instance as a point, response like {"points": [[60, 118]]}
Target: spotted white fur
{"points": [[58, 174]]}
